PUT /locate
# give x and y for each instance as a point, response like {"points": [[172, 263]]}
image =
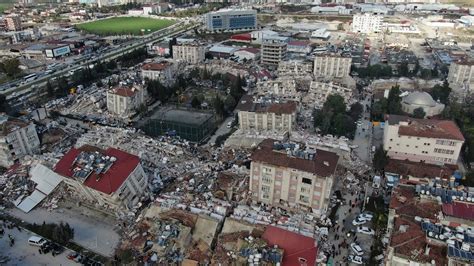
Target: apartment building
{"points": [[274, 50], [13, 23], [164, 72], [17, 139], [255, 115], [422, 140], [291, 175], [124, 101], [332, 66], [190, 53], [295, 67], [231, 19], [110, 178], [367, 23], [461, 73]]}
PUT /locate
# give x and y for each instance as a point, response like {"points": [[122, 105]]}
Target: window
{"points": [[306, 181], [265, 196], [304, 198], [391, 139], [266, 179], [265, 189], [305, 190]]}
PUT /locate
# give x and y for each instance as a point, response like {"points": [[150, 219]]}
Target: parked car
{"points": [[72, 255], [357, 249], [365, 230], [355, 259], [358, 221], [366, 216], [36, 241]]}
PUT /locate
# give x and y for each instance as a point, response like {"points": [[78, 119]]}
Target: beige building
{"points": [[190, 53], [124, 101], [273, 52], [295, 68], [13, 23], [259, 116], [17, 139], [109, 178], [290, 175], [461, 73], [319, 91], [332, 66], [164, 72], [422, 140]]}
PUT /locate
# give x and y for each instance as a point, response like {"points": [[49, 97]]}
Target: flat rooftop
{"points": [[183, 116]]}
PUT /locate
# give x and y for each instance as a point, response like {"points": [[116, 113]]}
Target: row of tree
{"points": [[333, 118], [60, 233]]}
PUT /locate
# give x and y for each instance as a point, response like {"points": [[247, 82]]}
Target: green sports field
{"points": [[124, 25]]}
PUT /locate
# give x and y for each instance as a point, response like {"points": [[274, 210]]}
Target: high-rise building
{"points": [[461, 73], [231, 19], [292, 175], [366, 23], [274, 50], [332, 66], [191, 53], [13, 22]]}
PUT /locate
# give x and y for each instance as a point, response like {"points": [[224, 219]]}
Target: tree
{"points": [[334, 103], [419, 113], [356, 110], [49, 89], [468, 179], [229, 103], [403, 69], [218, 106], [425, 73], [340, 26], [172, 42], [11, 67], [394, 101], [380, 159], [4, 105], [441, 92], [195, 103]]}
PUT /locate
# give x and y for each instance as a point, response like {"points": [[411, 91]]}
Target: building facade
{"points": [[422, 140], [257, 116], [461, 73], [273, 51], [17, 139], [124, 101], [295, 67], [13, 23], [190, 53], [332, 66], [164, 72], [110, 178], [231, 19], [367, 23], [288, 175]]}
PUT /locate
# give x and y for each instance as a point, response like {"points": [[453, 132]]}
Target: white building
{"points": [[110, 178], [124, 101], [274, 50], [258, 116], [248, 53], [191, 53], [165, 72], [422, 140], [421, 99], [332, 66], [366, 23], [461, 73], [259, 35], [17, 139]]}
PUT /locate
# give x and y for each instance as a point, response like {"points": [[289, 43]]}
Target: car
{"points": [[365, 230], [229, 125], [36, 241], [355, 259], [366, 216], [56, 249], [72, 255], [357, 249], [358, 221]]}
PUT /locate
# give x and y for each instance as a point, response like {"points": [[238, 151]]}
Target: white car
{"points": [[355, 259], [365, 216], [358, 221], [365, 230], [357, 249]]}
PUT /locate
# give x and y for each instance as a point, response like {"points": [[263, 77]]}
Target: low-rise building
{"points": [[231, 19], [274, 51], [13, 22], [366, 23], [17, 139], [262, 116], [300, 47], [422, 140], [332, 66], [110, 178], [248, 54], [290, 175], [461, 73], [423, 100], [164, 72], [190, 53], [124, 101]]}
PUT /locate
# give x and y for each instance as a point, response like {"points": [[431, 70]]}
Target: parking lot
{"points": [[22, 253]]}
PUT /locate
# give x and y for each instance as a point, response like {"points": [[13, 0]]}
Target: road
{"points": [[22, 253], [222, 130], [89, 231], [363, 136], [176, 29]]}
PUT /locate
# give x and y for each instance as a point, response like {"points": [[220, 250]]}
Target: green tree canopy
{"points": [[419, 113], [380, 159]]}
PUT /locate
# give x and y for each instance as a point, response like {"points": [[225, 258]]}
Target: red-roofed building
{"points": [[111, 178], [165, 72], [297, 249], [124, 101], [459, 212], [422, 140], [244, 37]]}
